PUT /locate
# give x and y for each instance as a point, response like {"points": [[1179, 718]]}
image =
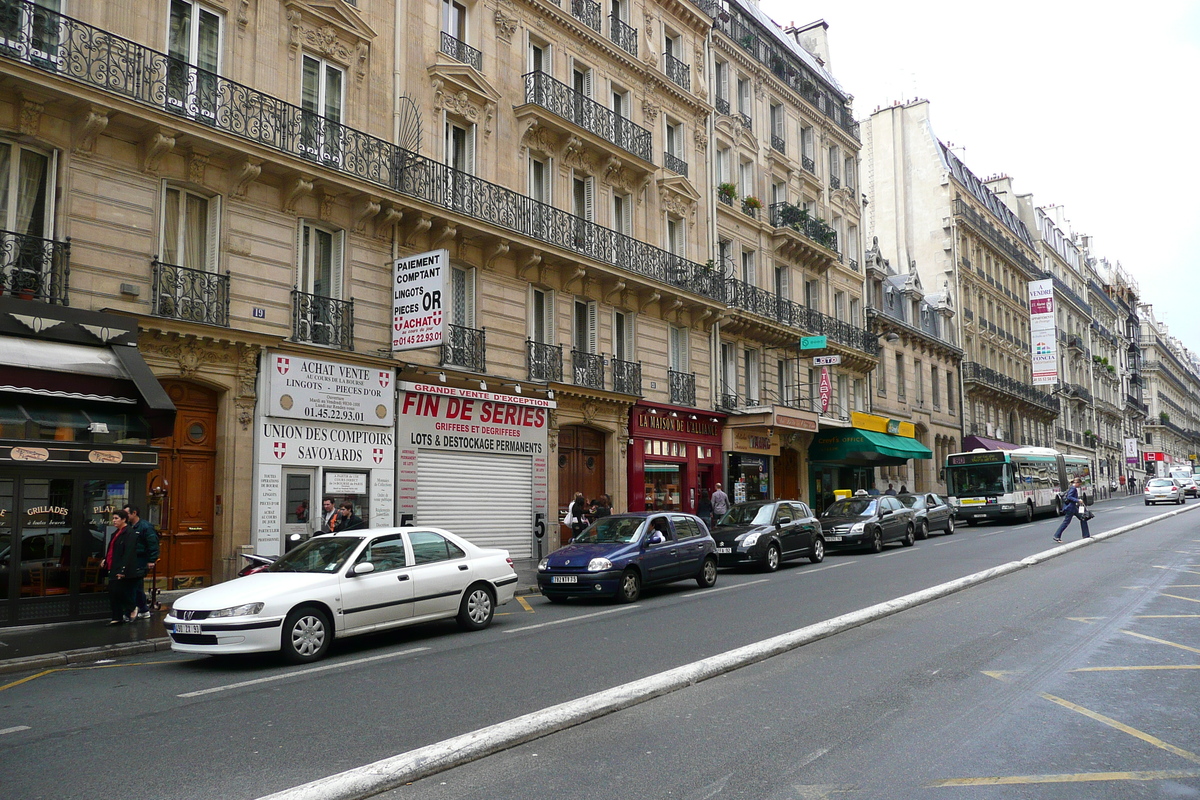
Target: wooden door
{"points": [[787, 474], [581, 466], [188, 466]]}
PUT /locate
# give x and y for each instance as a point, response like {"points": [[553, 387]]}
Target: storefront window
{"points": [[100, 498], [45, 536], [6, 531], [349, 487], [663, 483], [750, 477]]}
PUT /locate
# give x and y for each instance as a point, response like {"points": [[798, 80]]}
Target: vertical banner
{"points": [[541, 505], [419, 286], [406, 488], [1042, 332], [1131, 450], [826, 389], [268, 499]]}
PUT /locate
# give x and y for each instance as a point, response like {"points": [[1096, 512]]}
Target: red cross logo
{"points": [[280, 449], [377, 454], [384, 379], [283, 365]]}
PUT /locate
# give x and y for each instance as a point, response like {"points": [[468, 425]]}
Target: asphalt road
{"points": [[241, 728]]}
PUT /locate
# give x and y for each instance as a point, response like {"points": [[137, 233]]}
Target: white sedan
{"points": [[345, 584]]}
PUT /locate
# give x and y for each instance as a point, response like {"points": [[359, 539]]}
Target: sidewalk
{"points": [[33, 647]]}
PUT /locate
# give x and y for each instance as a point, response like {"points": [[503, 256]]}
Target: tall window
{"points": [[919, 380], [460, 146], [320, 271], [582, 197], [812, 295], [722, 83], [781, 283], [900, 388], [729, 381], [541, 315], [725, 256], [860, 395], [835, 167], [27, 25], [321, 96], [454, 19], [749, 275], [778, 121], [752, 377], [189, 229], [622, 205], [746, 179], [26, 196], [843, 396], [839, 306], [620, 105], [194, 59], [538, 59], [675, 240], [539, 179], [623, 336], [462, 297], [950, 389], [785, 373], [934, 388], [743, 96], [856, 311], [583, 326], [724, 168], [850, 171], [677, 353], [807, 140], [814, 389]]}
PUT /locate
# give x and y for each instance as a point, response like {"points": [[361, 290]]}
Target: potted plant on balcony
{"points": [[1164, 417], [751, 202], [727, 192]]}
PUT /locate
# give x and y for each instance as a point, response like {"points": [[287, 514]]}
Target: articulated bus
{"points": [[1013, 484]]}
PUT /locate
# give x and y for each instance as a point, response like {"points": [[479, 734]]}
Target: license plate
{"points": [[979, 516], [565, 579], [833, 538], [724, 549], [187, 627]]}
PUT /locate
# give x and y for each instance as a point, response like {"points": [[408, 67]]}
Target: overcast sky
{"points": [[1092, 106]]}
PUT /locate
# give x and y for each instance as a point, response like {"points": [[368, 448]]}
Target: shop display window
{"points": [[663, 482]]}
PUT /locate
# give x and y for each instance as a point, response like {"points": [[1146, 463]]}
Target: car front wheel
{"points": [[876, 543], [770, 561], [923, 531], [950, 524], [909, 539], [476, 609], [818, 551], [307, 634], [708, 573], [631, 586]]}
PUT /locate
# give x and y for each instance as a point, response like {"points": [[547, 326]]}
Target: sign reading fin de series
{"points": [[419, 294]]}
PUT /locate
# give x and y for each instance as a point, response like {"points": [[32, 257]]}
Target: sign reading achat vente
{"points": [[419, 290], [327, 391]]}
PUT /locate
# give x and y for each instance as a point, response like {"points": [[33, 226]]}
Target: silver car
{"points": [[1163, 490]]}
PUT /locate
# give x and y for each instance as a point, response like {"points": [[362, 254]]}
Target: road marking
{"points": [[1162, 641], [525, 604], [1133, 669], [16, 729], [1088, 620], [1026, 525], [1181, 597], [297, 673], [570, 619], [704, 592], [993, 533], [948, 541], [897, 552], [798, 572], [1078, 777], [1134, 732], [27, 679], [1184, 586], [1004, 675]]}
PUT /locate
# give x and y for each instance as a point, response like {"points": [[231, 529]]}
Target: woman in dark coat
{"points": [[123, 575]]}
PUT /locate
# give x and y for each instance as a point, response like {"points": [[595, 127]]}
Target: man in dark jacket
{"points": [[1071, 503], [347, 521], [147, 552]]}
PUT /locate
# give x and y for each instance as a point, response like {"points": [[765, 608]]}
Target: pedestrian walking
{"points": [[720, 503], [328, 512], [346, 518], [121, 561], [578, 513], [704, 509], [1071, 503], [146, 538]]}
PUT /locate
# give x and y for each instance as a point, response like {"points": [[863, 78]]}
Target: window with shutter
{"points": [[678, 349], [728, 369], [623, 336], [752, 377], [462, 297]]}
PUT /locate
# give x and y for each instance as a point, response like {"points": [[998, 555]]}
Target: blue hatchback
{"points": [[619, 554]]}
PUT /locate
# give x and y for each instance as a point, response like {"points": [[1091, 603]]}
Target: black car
{"points": [[764, 532], [868, 522], [932, 512]]}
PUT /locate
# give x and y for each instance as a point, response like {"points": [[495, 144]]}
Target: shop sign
{"points": [[30, 454], [329, 391], [476, 422], [1042, 332], [419, 286], [268, 498], [346, 483], [1131, 450], [799, 423], [313, 444], [826, 361], [880, 424], [1155, 456], [813, 342], [664, 422], [826, 389], [105, 456], [751, 440]]}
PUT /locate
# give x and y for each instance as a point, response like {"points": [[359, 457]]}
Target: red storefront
{"points": [[674, 452]]}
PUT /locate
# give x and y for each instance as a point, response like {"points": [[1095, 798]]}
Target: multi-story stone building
{"points": [[917, 378], [1172, 391], [1108, 350], [929, 209], [1123, 291]]}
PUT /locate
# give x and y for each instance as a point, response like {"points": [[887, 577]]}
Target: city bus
{"points": [[1012, 484]]}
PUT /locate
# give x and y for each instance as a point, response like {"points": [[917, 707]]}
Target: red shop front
{"points": [[674, 453]]}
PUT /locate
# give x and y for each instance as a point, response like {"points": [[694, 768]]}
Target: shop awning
{"points": [[115, 374], [982, 443], [865, 448]]}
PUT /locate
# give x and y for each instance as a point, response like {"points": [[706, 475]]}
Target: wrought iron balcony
{"points": [[777, 143], [750, 209], [739, 294], [545, 361], [835, 182], [682, 387], [461, 51], [978, 373], [464, 347], [747, 120], [576, 107], [727, 401], [623, 36], [322, 320], [786, 215], [722, 106], [587, 12], [725, 198], [191, 295], [34, 268], [809, 165], [627, 377], [993, 235], [678, 71], [675, 164], [587, 369]]}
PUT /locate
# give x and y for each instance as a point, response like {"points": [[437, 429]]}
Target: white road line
{"points": [[948, 541], [308, 671], [17, 729], [569, 619], [799, 573], [1026, 525], [897, 552], [993, 533], [703, 592]]}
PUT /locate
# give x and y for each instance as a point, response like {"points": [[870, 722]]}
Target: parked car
{"points": [[1163, 490], [1188, 483], [619, 554], [931, 512], [868, 522], [766, 532], [345, 584]]}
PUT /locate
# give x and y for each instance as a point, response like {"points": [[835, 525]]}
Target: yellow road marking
{"points": [[1088, 620], [1079, 777], [1123, 669], [1181, 597], [1162, 641], [46, 672], [1134, 732], [1001, 674], [27, 679], [524, 604]]}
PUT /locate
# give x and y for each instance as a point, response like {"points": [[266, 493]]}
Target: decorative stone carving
{"points": [[243, 13], [365, 208], [590, 411], [244, 174], [197, 163], [538, 139], [651, 48], [327, 198], [386, 222], [650, 111], [497, 250], [300, 186], [30, 122], [552, 430], [421, 224], [88, 128], [247, 381], [460, 104], [156, 147], [506, 21], [701, 136], [575, 155], [362, 50], [677, 204]]}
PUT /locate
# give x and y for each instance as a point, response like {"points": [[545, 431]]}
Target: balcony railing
{"points": [[623, 36], [191, 295], [747, 120], [627, 377], [322, 320], [465, 348], [678, 71], [809, 165], [978, 373], [754, 300], [786, 215], [587, 12], [461, 51], [545, 361], [992, 234], [750, 209], [120, 67], [778, 144], [727, 401], [675, 164], [722, 106], [587, 369], [725, 198], [34, 268], [576, 107], [740, 294], [835, 182], [682, 386]]}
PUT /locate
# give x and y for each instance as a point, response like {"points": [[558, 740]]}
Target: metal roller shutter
{"points": [[486, 499]]}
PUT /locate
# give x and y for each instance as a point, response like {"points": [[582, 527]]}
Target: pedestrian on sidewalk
{"points": [[720, 504], [1071, 509], [121, 561], [579, 514], [147, 554]]}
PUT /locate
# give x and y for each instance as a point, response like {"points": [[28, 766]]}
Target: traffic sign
{"points": [[813, 343], [826, 361]]}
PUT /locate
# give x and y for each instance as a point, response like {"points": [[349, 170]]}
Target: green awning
{"points": [[865, 448]]}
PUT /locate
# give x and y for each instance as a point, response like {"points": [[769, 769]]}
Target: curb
{"points": [[83, 656], [390, 773]]}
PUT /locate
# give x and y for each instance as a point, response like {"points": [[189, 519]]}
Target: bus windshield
{"points": [[977, 480]]}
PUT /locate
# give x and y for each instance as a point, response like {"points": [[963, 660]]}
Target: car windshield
{"points": [[748, 514], [612, 530], [912, 500], [1162, 482], [851, 507], [319, 554]]}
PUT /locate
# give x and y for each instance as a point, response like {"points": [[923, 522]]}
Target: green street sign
{"points": [[813, 343]]}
